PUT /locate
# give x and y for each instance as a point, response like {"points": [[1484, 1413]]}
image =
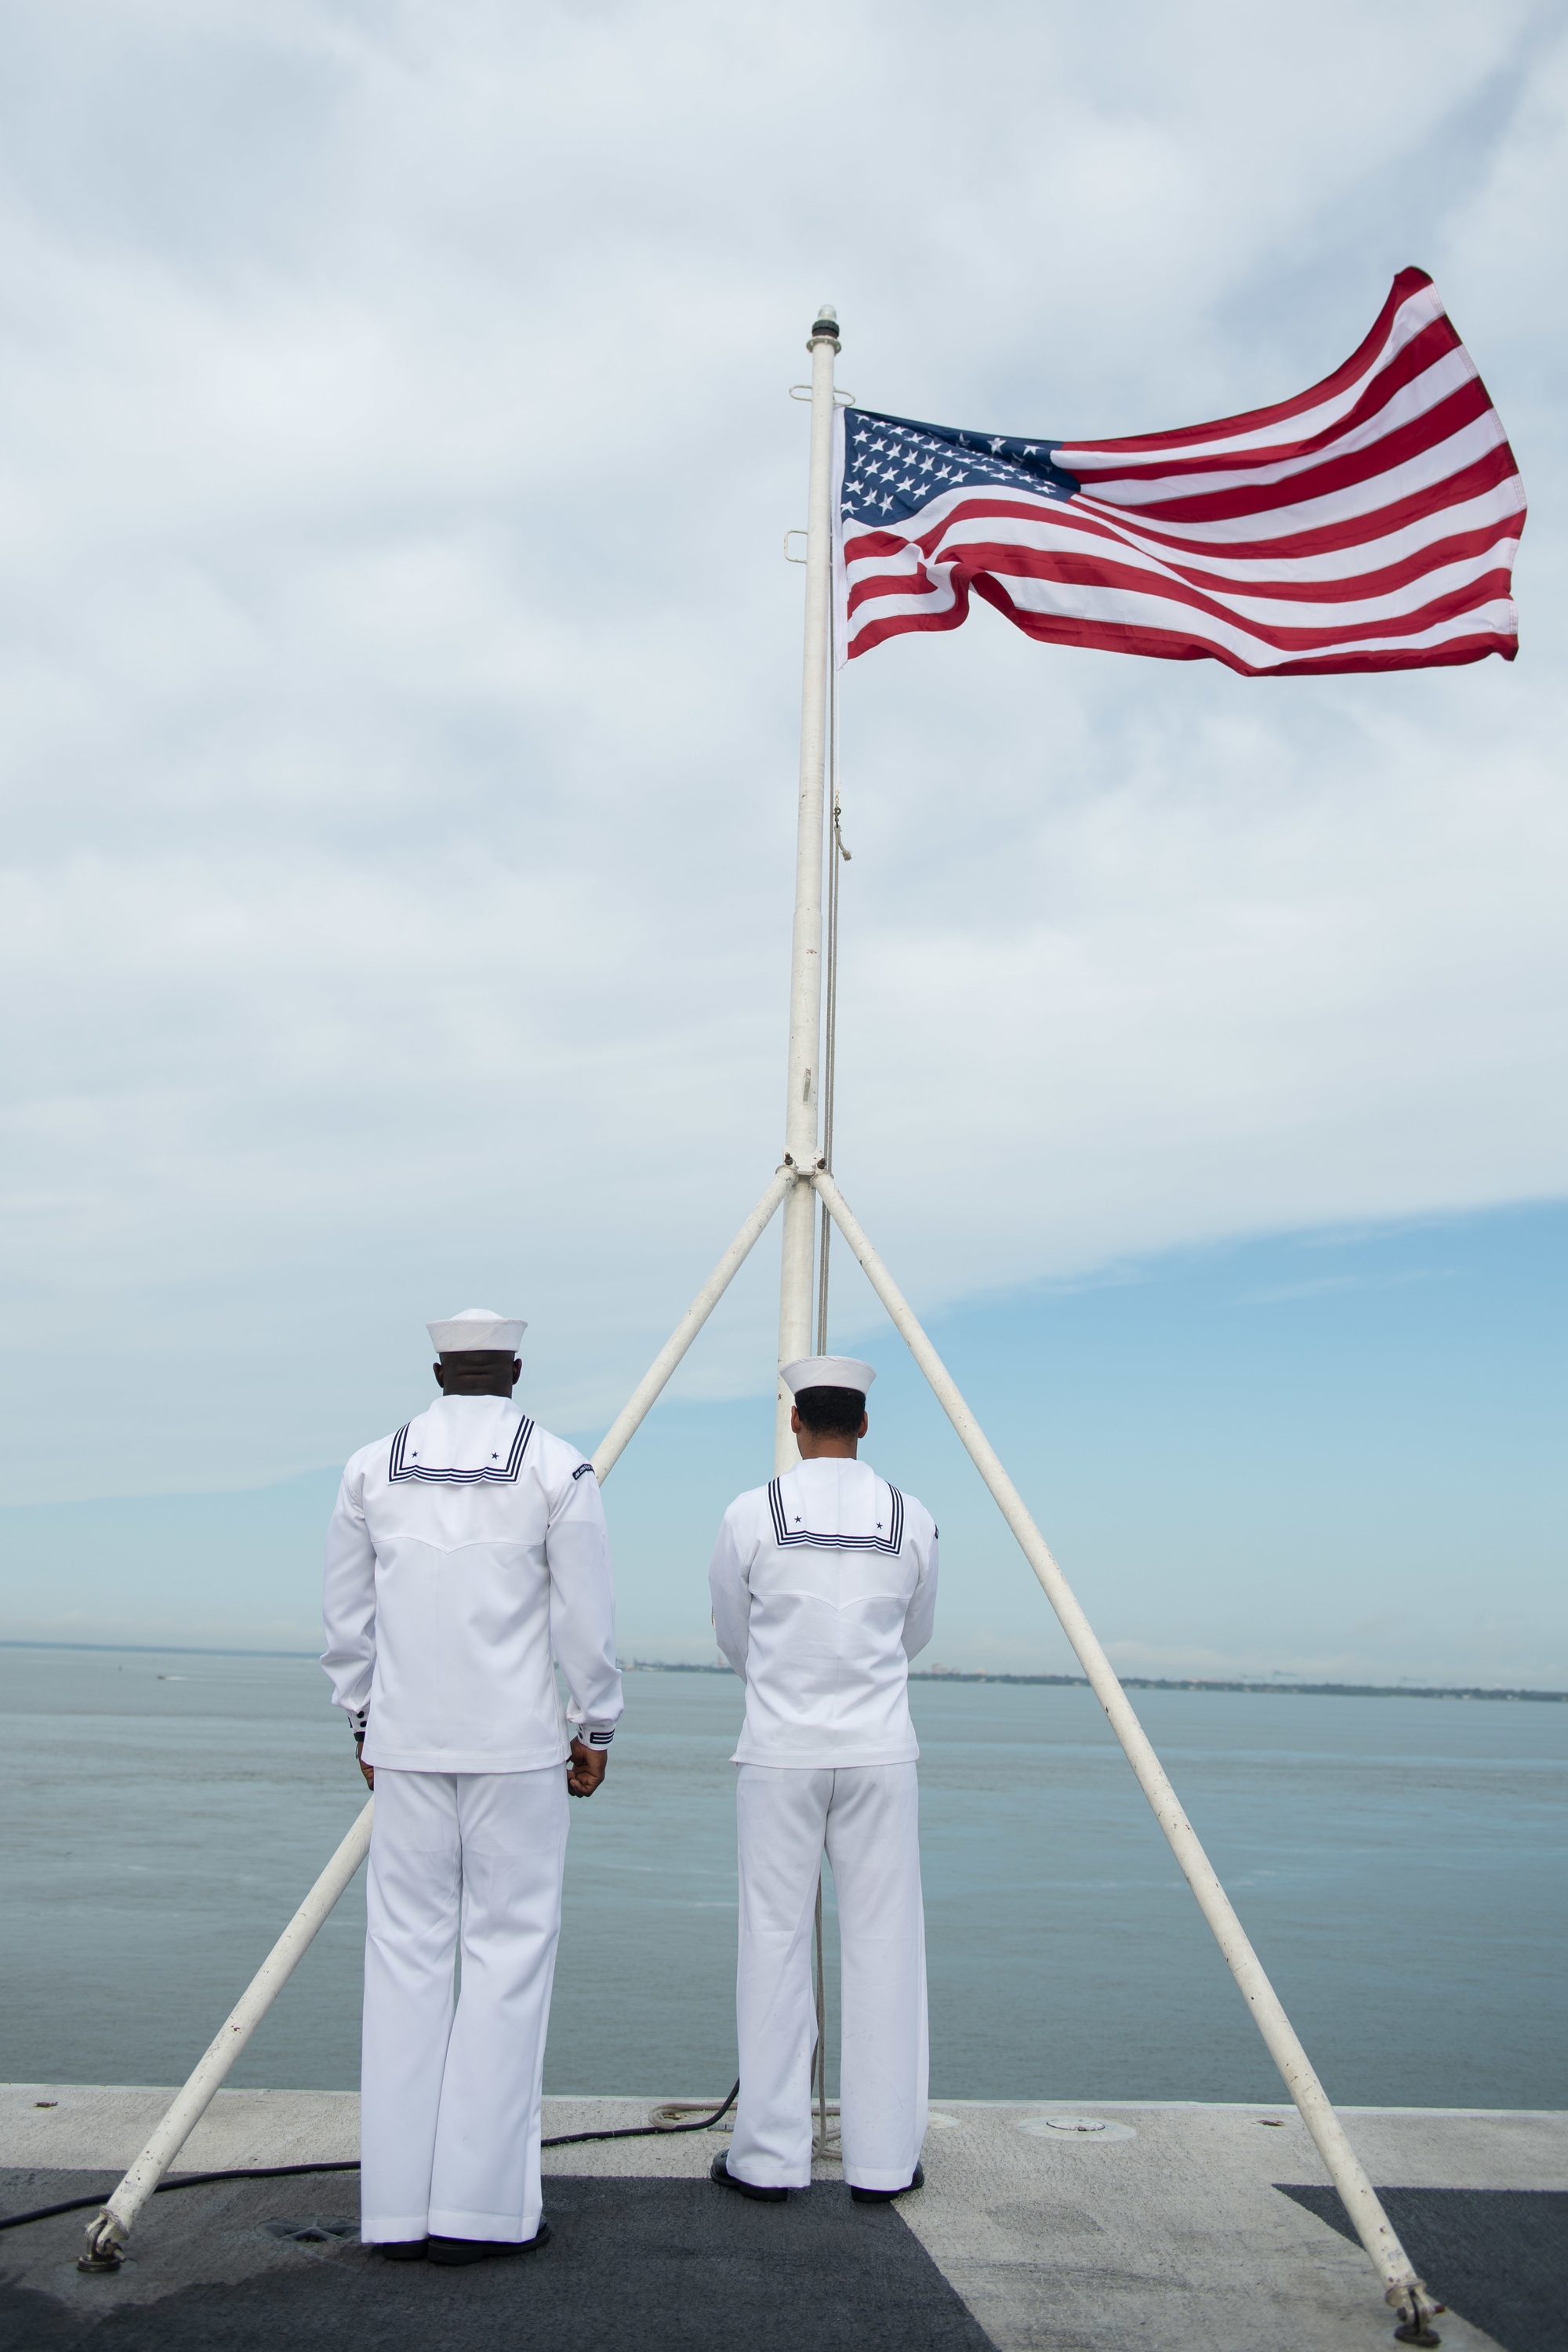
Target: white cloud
{"points": [[398, 676]]}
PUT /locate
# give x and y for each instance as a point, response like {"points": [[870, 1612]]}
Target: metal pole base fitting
{"points": [[1416, 2312], [102, 2250]]}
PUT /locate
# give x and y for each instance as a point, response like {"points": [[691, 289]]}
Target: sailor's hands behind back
{"points": [[586, 1768], [583, 1773]]}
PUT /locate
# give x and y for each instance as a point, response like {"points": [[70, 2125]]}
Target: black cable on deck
{"points": [[291, 2171]]}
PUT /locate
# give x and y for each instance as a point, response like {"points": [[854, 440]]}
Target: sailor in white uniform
{"points": [[824, 1586], [466, 1558]]}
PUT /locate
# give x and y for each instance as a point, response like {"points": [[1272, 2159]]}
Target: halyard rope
{"points": [[836, 853]]}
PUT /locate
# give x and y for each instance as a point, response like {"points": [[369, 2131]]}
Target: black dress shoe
{"points": [[719, 2171], [456, 2253], [402, 2249], [886, 2196]]}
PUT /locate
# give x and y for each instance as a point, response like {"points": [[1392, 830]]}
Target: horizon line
{"points": [[1156, 1681], [921, 1674]]}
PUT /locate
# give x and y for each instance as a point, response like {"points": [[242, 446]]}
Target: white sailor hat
{"points": [[476, 1327], [826, 1372]]}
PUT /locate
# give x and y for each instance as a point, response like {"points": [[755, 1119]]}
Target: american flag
{"points": [[1370, 523]]}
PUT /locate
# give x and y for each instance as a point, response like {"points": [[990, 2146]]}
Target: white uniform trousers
{"points": [[449, 2086], [867, 1817]]}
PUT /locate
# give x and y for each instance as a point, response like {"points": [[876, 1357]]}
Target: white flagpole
{"points": [[805, 959]]}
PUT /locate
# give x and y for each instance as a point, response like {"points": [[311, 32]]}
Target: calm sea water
{"points": [[1399, 1864]]}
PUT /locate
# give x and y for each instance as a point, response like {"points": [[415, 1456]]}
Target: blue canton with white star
{"points": [[894, 465]]}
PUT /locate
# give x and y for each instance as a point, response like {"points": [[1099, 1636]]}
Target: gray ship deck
{"points": [[1175, 2229]]}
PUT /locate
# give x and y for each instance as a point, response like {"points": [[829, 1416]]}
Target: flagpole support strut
{"points": [[1404, 2291]]}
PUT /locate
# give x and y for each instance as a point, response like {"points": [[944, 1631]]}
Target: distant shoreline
{"points": [[919, 1674], [1150, 1682]]}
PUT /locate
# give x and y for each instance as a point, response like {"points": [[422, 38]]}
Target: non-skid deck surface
{"points": [[1163, 2228], [1499, 2255], [654, 2263]]}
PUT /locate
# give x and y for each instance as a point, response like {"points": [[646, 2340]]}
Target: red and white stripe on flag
{"points": [[1370, 523]]}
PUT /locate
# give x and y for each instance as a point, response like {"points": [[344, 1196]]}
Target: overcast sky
{"points": [[399, 681]]}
